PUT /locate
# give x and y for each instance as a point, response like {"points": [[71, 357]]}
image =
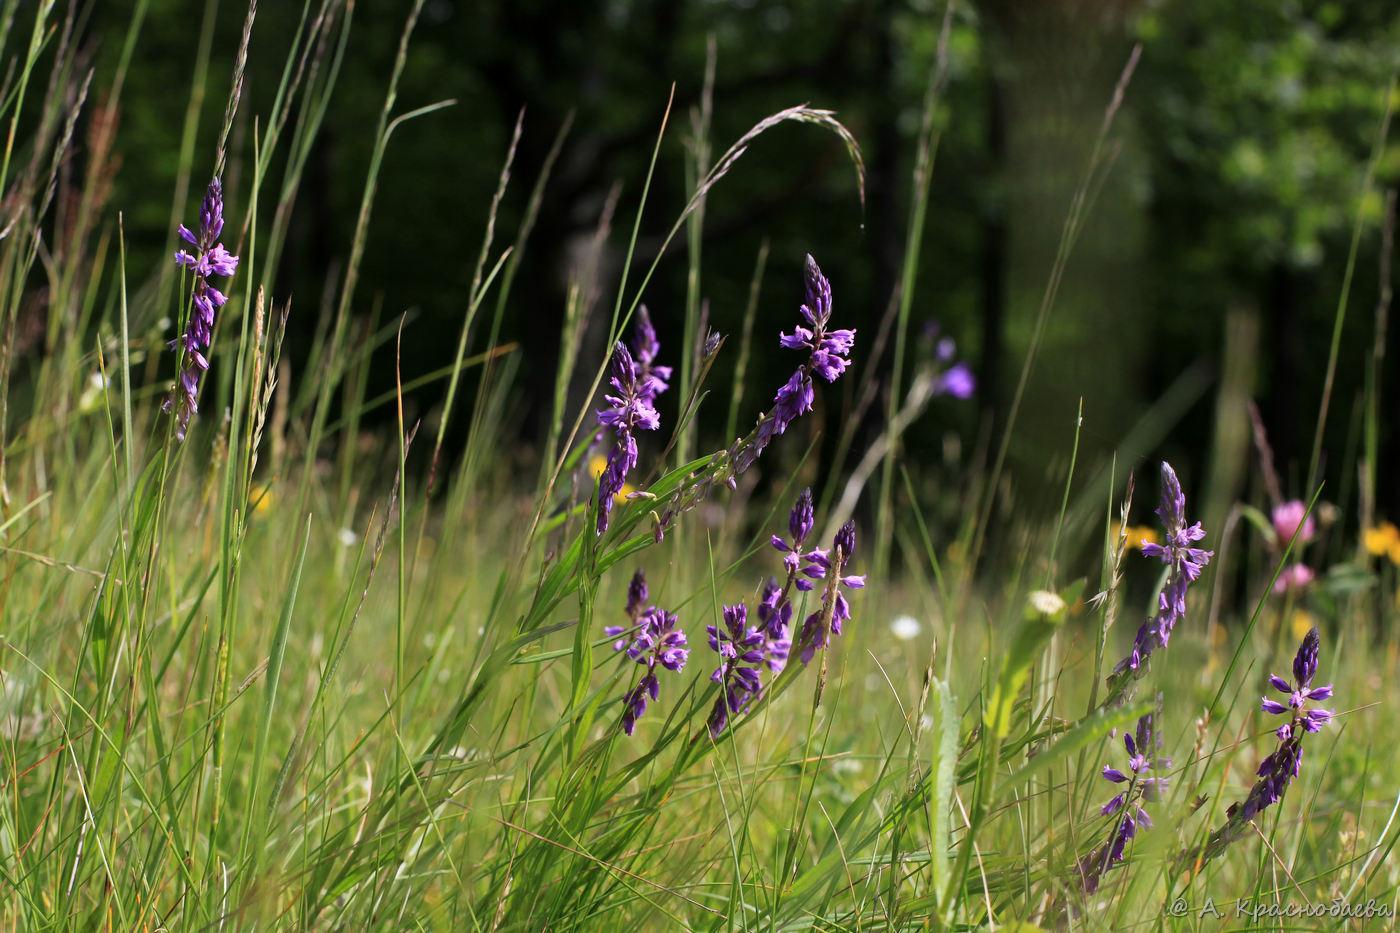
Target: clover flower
{"points": [[828, 564], [629, 410], [1141, 788], [1292, 518], [208, 258], [1279, 769], [1294, 577], [1184, 566], [659, 641]]}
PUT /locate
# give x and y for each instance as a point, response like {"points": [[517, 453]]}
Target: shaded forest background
{"points": [[1213, 255]]}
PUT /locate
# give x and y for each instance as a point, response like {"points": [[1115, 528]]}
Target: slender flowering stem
{"points": [[208, 258], [1126, 807], [1279, 769], [775, 605], [654, 639], [1184, 565], [829, 565], [632, 408], [828, 355]]}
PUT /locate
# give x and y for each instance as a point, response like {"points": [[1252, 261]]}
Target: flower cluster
{"points": [[1126, 807], [828, 354], [657, 641], [1184, 565], [208, 258], [651, 377], [742, 650], [632, 408], [637, 379], [1279, 769], [829, 564]]}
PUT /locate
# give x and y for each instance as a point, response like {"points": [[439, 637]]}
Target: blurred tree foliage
{"points": [[1239, 162]]}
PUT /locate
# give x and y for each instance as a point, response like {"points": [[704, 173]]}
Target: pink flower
{"points": [[1287, 517], [1294, 577]]}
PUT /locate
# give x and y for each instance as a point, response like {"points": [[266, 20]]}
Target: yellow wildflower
{"points": [[260, 498], [1138, 535], [1383, 539], [597, 464], [1303, 622]]}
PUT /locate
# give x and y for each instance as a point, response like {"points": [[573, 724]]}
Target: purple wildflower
{"points": [[209, 258], [937, 355], [630, 409], [1127, 806], [829, 565], [828, 356], [741, 651], [800, 524], [1301, 690], [1279, 769], [774, 608], [659, 642], [1184, 566], [956, 381], [651, 378]]}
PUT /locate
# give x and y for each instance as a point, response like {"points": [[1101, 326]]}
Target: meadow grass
{"points": [[271, 677]]}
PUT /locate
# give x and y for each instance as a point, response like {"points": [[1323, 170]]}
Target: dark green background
{"points": [[1241, 152]]}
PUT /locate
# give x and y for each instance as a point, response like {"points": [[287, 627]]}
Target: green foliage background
{"points": [[1243, 142]]}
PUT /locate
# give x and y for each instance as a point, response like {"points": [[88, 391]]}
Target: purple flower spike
{"points": [[741, 650], [208, 258], [1140, 745], [636, 611], [828, 565], [660, 642], [651, 378], [800, 524], [774, 609], [828, 355], [1302, 691], [802, 519], [1279, 769], [630, 409], [1184, 565]]}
